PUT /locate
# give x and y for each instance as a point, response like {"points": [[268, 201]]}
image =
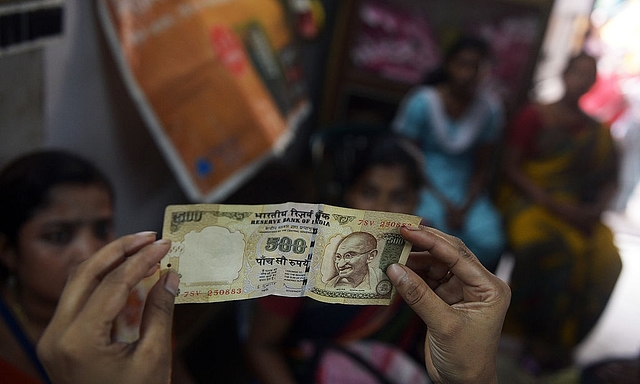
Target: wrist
{"points": [[486, 375]]}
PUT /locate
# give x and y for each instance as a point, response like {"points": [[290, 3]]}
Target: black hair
{"points": [[464, 42], [26, 183], [390, 149]]}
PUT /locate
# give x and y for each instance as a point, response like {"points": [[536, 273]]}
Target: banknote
{"points": [[328, 253]]}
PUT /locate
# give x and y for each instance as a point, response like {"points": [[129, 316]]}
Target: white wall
{"points": [[20, 103], [87, 110], [567, 24]]}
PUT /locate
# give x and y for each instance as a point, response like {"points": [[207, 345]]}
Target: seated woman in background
{"points": [[301, 340], [561, 169], [56, 211], [457, 127]]}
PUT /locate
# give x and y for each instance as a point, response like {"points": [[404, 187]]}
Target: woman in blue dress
{"points": [[457, 126]]}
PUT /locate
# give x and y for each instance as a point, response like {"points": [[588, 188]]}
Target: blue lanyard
{"points": [[28, 348]]}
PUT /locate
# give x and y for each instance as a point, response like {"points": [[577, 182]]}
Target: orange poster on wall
{"points": [[218, 82]]}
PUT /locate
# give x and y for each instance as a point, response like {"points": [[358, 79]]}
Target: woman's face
{"points": [[580, 77], [384, 188], [464, 69], [76, 223]]}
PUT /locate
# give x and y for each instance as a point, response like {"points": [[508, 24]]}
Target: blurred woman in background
{"points": [[300, 340], [561, 172], [457, 126]]}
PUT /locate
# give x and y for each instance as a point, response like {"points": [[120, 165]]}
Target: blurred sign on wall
{"points": [[218, 82]]}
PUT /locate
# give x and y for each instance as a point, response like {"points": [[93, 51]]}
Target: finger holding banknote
{"points": [[77, 345], [462, 304], [429, 268]]}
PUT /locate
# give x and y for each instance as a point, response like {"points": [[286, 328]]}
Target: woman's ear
{"points": [[8, 254]]}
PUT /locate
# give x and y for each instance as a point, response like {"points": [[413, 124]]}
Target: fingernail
{"points": [[162, 242], [412, 228], [395, 272], [171, 282], [146, 233]]}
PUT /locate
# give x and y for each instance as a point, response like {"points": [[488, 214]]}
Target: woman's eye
{"points": [[60, 236], [103, 229], [399, 197], [368, 192]]}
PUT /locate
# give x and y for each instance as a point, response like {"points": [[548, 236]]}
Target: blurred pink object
{"points": [[362, 362], [394, 43]]}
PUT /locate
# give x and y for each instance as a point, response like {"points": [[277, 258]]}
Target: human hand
{"points": [[77, 345], [462, 304]]}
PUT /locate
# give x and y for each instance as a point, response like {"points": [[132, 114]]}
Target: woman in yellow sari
{"points": [[561, 171]]}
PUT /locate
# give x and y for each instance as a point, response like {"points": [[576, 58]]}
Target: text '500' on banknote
{"points": [[328, 253]]}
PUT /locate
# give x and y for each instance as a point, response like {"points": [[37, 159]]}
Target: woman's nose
{"points": [[381, 204], [86, 244]]}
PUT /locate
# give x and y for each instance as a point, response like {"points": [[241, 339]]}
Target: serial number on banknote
{"points": [[212, 292]]}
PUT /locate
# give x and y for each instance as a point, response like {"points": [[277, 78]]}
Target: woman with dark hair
{"points": [[561, 170], [442, 74], [457, 126], [56, 210], [387, 176], [302, 340]]}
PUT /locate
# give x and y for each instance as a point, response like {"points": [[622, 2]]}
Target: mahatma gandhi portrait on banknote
{"points": [[355, 263]]}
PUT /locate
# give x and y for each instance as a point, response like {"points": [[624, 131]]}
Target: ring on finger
{"points": [[446, 277]]}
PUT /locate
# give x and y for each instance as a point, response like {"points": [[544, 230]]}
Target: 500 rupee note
{"points": [[328, 253]]}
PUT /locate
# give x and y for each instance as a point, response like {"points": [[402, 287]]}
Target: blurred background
{"points": [[80, 75]]}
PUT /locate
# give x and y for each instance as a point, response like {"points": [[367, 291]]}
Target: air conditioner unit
{"points": [[30, 24]]}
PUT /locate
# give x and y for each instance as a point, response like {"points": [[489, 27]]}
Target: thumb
{"points": [[415, 291], [157, 318]]}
